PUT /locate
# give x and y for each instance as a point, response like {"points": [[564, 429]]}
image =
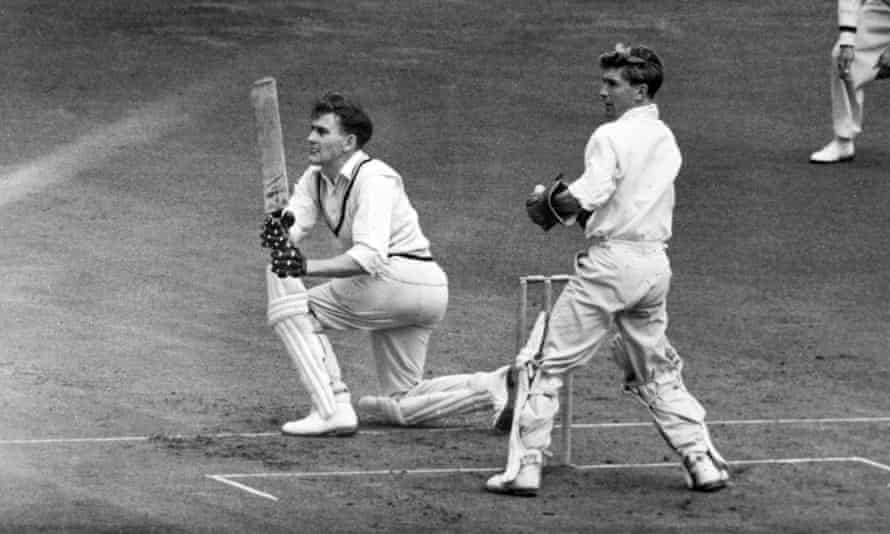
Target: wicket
{"points": [[565, 457]]}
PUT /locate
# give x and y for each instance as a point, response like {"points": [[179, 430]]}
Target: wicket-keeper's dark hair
{"points": [[639, 64]]}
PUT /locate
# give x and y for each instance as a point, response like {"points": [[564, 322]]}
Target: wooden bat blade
{"points": [[264, 98]]}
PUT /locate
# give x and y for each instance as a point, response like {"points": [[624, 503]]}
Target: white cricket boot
{"points": [[837, 151], [702, 474], [344, 422], [527, 482]]}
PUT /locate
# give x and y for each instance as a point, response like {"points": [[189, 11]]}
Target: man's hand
{"points": [[275, 227], [845, 60], [288, 261], [883, 65]]}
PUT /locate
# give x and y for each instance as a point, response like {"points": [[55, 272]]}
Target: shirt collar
{"points": [[348, 167], [649, 111]]}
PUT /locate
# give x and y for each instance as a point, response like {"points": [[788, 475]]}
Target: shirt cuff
{"points": [[370, 260], [847, 36], [584, 205]]}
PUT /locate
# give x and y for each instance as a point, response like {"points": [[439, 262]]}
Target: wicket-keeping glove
{"points": [[539, 204]]}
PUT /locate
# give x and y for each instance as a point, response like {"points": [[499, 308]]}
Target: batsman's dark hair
{"points": [[353, 118], [639, 64]]}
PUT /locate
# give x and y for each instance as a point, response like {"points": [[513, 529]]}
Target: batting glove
{"points": [[275, 228], [288, 261]]}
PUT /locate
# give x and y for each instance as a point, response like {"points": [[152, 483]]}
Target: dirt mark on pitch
{"points": [[141, 126]]}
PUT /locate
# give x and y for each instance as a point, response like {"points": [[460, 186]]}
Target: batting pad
{"points": [[288, 314], [516, 450], [287, 297], [535, 341], [537, 404]]}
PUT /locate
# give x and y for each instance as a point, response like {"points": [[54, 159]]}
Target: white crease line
{"points": [[873, 463], [587, 467], [160, 438], [826, 420], [835, 459], [394, 430], [248, 489], [71, 440], [394, 472], [730, 422]]}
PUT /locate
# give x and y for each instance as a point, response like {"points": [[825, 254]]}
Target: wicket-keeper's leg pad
{"points": [[535, 341], [678, 416], [438, 398], [288, 314], [537, 407]]}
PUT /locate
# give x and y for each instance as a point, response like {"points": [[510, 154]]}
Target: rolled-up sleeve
{"points": [[302, 206], [598, 182], [371, 224]]}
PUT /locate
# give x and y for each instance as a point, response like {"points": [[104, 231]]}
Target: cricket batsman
{"points": [[385, 281]]}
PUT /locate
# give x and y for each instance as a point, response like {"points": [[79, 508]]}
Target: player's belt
{"points": [[410, 256], [641, 244]]}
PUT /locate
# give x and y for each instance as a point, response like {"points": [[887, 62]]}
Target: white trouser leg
{"points": [[847, 96], [678, 416], [288, 313], [399, 309], [440, 397], [446, 396]]}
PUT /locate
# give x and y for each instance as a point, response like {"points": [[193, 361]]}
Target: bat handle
{"points": [[286, 220]]}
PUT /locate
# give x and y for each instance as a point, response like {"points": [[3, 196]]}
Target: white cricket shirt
{"points": [[378, 220], [630, 165]]}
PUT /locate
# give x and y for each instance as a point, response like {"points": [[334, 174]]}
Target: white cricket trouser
{"points": [[847, 96], [399, 308], [624, 286]]}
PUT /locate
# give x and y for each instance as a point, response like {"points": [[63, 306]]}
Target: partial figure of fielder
{"points": [[385, 282], [860, 56], [624, 200]]}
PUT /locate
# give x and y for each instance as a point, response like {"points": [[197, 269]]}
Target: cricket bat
{"points": [[270, 144]]}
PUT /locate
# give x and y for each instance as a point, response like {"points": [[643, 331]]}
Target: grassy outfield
{"points": [[131, 292]]}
